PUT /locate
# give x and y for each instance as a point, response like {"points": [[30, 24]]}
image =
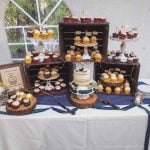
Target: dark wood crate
{"points": [[67, 34], [66, 72], [132, 72]]}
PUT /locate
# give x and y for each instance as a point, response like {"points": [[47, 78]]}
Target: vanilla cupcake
{"points": [[15, 104], [98, 57], [127, 90], [117, 90], [86, 40], [100, 88], [54, 74], [121, 77], [68, 57], [29, 96], [77, 40], [113, 77], [105, 77], [93, 40], [22, 95], [108, 90], [78, 57]]}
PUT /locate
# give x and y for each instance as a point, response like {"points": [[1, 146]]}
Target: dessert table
{"points": [[89, 129]]}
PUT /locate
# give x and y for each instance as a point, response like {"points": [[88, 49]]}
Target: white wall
{"points": [[119, 12], [4, 49]]}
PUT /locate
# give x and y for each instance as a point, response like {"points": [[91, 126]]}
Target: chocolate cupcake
{"points": [[130, 59], [116, 59], [67, 19], [110, 58], [36, 85], [63, 85], [47, 59], [74, 20], [60, 79], [9, 102], [36, 60], [57, 88], [36, 91], [15, 104], [13, 97], [26, 102], [55, 58], [85, 20], [35, 53], [57, 83]]}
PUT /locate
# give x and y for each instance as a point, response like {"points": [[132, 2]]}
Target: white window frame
{"points": [[39, 23]]}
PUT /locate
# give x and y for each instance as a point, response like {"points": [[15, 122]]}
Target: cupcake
{"points": [[36, 60], [116, 59], [36, 34], [86, 40], [47, 74], [108, 90], [74, 19], [93, 53], [20, 100], [105, 77], [60, 79], [57, 83], [63, 85], [130, 59], [30, 34], [29, 96], [77, 40], [73, 56], [67, 19], [130, 35], [50, 34], [100, 88], [127, 84], [48, 89], [110, 58], [47, 59], [68, 57], [35, 53], [98, 57], [127, 90], [44, 35], [57, 88], [41, 88], [26, 102], [13, 97], [85, 20], [41, 74], [28, 59], [113, 77], [9, 102], [122, 35], [99, 20], [120, 77], [55, 58], [36, 85], [15, 104], [54, 74], [78, 57], [36, 91], [93, 40], [117, 90], [22, 95], [115, 35]]}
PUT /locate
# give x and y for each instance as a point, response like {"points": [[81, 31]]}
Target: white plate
{"points": [[144, 89]]}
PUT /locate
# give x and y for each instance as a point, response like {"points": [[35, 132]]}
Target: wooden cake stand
{"points": [[85, 103], [22, 110]]}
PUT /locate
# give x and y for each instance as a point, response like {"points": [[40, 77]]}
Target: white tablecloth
{"points": [[89, 129]]}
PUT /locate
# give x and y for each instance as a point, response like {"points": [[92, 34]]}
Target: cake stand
{"points": [[83, 96], [48, 81], [86, 55]]}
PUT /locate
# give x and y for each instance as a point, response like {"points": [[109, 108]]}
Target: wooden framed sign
{"points": [[13, 75]]}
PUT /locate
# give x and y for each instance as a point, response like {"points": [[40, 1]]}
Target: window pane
{"points": [[14, 35], [14, 16], [46, 6], [17, 51], [30, 48], [59, 13]]}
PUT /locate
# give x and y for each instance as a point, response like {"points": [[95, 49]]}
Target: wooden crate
{"points": [[132, 72], [66, 72], [67, 34]]}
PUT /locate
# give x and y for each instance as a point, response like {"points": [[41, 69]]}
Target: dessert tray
{"points": [[22, 110], [112, 84]]}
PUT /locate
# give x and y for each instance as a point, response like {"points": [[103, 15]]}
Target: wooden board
{"points": [[84, 103], [22, 110]]}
